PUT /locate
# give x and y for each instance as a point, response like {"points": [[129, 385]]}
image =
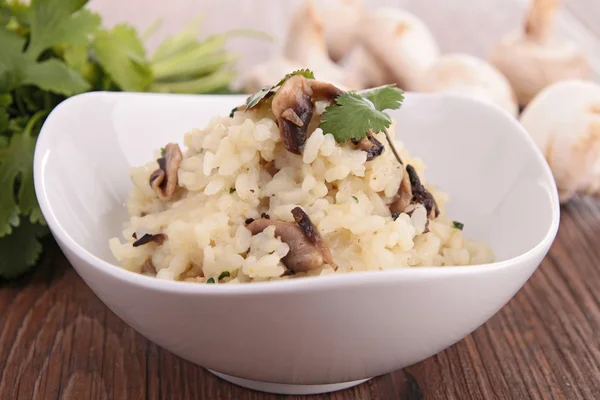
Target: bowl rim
{"points": [[306, 283]]}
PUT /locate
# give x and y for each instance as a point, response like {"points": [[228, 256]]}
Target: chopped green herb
{"points": [[253, 100], [387, 97], [351, 116], [307, 73], [224, 274], [458, 225], [162, 151], [257, 97], [233, 110], [210, 280], [355, 198], [231, 190]]}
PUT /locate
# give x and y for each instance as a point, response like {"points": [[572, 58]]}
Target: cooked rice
{"points": [[224, 180]]}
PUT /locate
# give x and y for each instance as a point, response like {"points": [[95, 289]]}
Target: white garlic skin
{"points": [[564, 121]]}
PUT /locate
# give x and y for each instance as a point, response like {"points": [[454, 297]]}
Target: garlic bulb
{"points": [[341, 18], [534, 58], [564, 121], [400, 42], [305, 45], [467, 75]]}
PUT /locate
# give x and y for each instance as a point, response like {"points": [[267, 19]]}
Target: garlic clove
{"points": [[564, 121], [399, 41], [534, 58], [467, 75], [341, 18], [305, 45]]}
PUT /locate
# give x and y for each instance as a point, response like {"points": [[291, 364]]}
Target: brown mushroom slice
{"points": [[311, 232], [148, 268], [164, 180], [324, 90], [404, 196], [370, 145], [293, 106], [307, 249], [158, 238], [421, 195]]}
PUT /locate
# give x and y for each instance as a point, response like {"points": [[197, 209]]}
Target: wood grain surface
{"points": [[58, 341]]}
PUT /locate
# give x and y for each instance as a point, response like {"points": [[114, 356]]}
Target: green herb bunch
{"points": [[54, 49]]}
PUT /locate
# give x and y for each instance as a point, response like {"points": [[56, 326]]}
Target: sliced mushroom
{"points": [[293, 106], [158, 238], [308, 250], [412, 191], [148, 268], [164, 180], [370, 145], [421, 195], [311, 232], [404, 196]]}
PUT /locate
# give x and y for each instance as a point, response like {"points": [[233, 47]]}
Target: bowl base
{"points": [[281, 388]]}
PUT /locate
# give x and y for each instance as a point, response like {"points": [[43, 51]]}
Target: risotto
{"points": [[265, 194]]}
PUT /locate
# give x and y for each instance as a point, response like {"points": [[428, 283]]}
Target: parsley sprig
{"points": [[354, 114]]}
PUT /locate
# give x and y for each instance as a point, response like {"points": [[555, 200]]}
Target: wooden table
{"points": [[58, 341]]}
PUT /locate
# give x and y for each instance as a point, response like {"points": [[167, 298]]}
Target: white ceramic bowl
{"points": [[314, 334]]}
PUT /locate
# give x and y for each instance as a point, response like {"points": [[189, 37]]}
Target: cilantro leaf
{"points": [[307, 73], [17, 68], [224, 274], [351, 117], [21, 250], [387, 97], [56, 22], [253, 100], [458, 225], [4, 14], [28, 203], [54, 76], [5, 101], [76, 57], [11, 59], [17, 161], [19, 11], [121, 53]]}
